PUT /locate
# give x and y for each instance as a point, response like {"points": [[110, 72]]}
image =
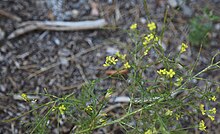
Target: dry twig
{"points": [[57, 26], [10, 15]]}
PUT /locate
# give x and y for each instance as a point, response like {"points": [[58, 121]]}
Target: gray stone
{"points": [[64, 52], [187, 11], [173, 3], [111, 50]]}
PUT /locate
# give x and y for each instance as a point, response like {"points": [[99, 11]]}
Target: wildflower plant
{"points": [[161, 92]]}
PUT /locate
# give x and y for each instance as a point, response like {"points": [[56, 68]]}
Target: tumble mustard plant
{"points": [[158, 99]]}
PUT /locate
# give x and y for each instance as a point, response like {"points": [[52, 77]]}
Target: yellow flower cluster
{"points": [[169, 73], [202, 126], [177, 116], [183, 47], [127, 66], [202, 109], [133, 26], [148, 38], [151, 131], [88, 108], [110, 61], [121, 56], [102, 121], [151, 26], [169, 113], [212, 118], [212, 111], [146, 51], [209, 112], [213, 98], [62, 108]]}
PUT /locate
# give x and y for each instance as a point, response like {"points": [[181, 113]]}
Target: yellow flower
{"points": [[177, 116], [183, 47], [133, 26], [146, 51], [148, 132], [211, 117], [126, 65], [169, 112], [103, 114], [170, 73], [121, 56], [62, 108], [151, 131], [110, 61], [162, 72], [212, 111], [88, 108], [24, 97], [148, 38], [201, 107], [156, 39], [151, 26], [202, 126], [213, 98], [102, 121]]}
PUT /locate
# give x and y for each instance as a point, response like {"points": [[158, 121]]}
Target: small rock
{"points": [[64, 61], [1, 57], [110, 1], [173, 3], [75, 13], [56, 41], [143, 20], [214, 35], [217, 26], [187, 11], [98, 54], [52, 82], [2, 34], [3, 89], [17, 64], [214, 43], [111, 50], [64, 52]]}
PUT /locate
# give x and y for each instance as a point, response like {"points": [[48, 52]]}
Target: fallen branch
{"points": [[57, 26]]}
